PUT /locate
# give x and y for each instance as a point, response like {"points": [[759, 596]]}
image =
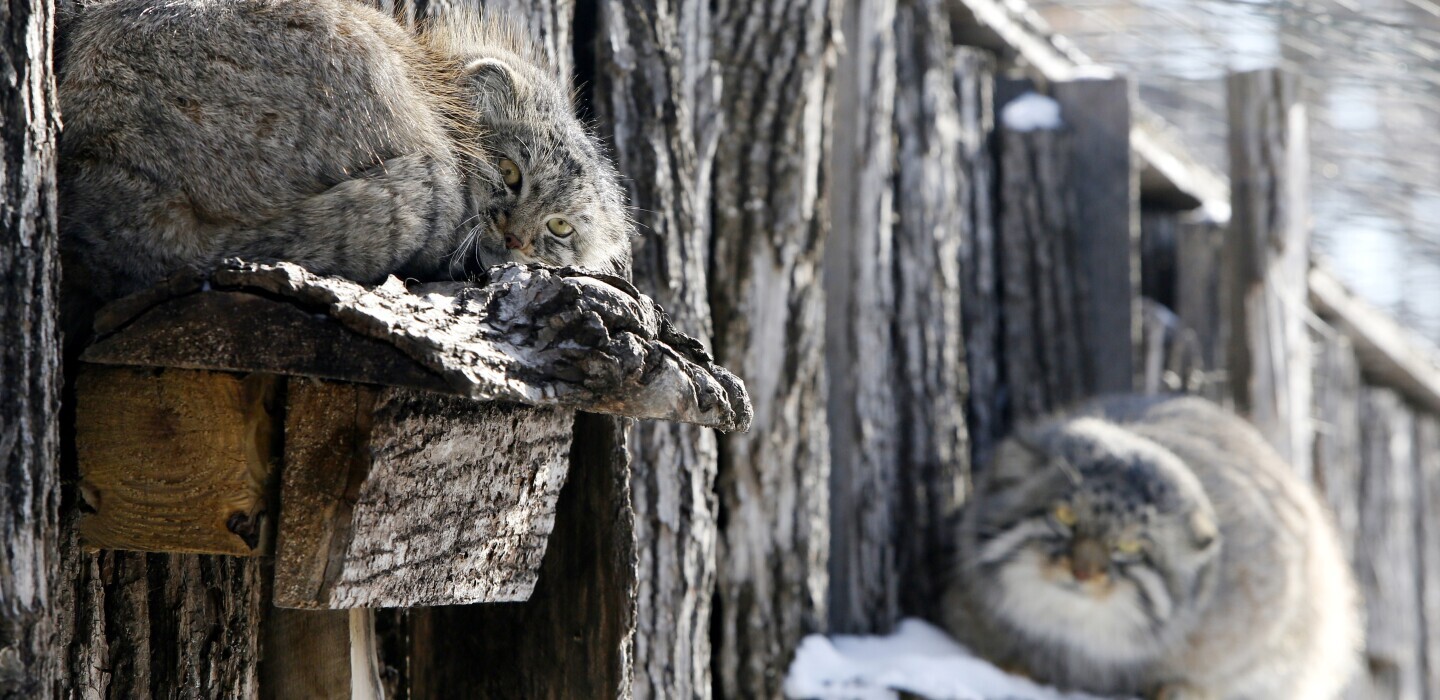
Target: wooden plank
{"points": [[1388, 353], [1106, 228], [396, 498], [536, 336], [933, 204], [1202, 301], [974, 81], [860, 361], [1386, 562], [1042, 351], [572, 638], [176, 460], [1336, 415], [1427, 454], [257, 334], [1267, 258]]}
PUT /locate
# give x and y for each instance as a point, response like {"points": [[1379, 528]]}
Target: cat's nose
{"points": [[1088, 559], [513, 242]]}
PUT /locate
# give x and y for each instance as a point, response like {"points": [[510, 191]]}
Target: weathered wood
{"points": [[769, 202], [572, 639], [176, 460], [30, 351], [1267, 257], [1104, 190], [933, 202], [1202, 300], [1336, 415], [860, 360], [393, 497], [1388, 352], [136, 625], [975, 104], [1386, 558], [1427, 469], [1160, 255], [652, 92], [531, 335], [320, 655], [1043, 362]]}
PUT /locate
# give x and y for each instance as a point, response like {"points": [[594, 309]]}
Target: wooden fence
{"points": [[898, 277]]}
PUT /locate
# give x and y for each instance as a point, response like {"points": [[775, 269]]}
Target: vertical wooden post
{"points": [[933, 202], [1105, 190], [30, 352], [974, 80], [770, 202], [1388, 545], [1268, 258], [859, 301], [652, 91], [1200, 300]]}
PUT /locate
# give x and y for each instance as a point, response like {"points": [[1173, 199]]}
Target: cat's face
{"points": [[1092, 537], [544, 193]]}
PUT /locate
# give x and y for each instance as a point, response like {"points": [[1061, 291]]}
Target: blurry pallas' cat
{"points": [[1155, 547], [320, 132]]}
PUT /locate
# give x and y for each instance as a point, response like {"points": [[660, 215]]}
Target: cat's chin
{"points": [[1101, 618]]}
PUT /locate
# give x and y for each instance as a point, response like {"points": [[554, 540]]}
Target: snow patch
{"points": [[918, 658], [1031, 111]]}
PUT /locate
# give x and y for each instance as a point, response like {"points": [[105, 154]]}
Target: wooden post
{"points": [[974, 80], [1201, 300], [1104, 188], [320, 655], [769, 197], [1042, 350], [653, 92], [1267, 260], [860, 306], [933, 204], [29, 352], [1388, 546]]}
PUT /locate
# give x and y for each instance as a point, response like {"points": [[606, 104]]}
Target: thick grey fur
{"points": [[1266, 609], [318, 132]]}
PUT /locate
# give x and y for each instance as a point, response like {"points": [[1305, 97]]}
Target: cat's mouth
{"points": [[1062, 571]]}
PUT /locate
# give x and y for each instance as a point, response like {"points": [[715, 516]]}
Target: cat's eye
{"points": [[1129, 547], [560, 227], [1064, 514], [510, 172]]}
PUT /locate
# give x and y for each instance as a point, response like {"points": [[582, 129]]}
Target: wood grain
{"points": [[176, 460]]}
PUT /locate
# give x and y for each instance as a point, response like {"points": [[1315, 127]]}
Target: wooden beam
{"points": [[397, 498], [320, 655], [1388, 353], [176, 460], [1267, 259]]}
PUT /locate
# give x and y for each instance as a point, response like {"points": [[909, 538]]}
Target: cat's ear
{"points": [[496, 82], [1015, 462]]}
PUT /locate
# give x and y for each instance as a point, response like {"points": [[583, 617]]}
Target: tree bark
{"points": [[933, 204], [770, 218], [30, 353], [653, 86], [860, 302]]}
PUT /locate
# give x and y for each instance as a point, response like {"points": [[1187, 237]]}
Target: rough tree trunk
{"points": [[933, 204], [652, 90], [769, 222], [30, 351], [860, 302]]}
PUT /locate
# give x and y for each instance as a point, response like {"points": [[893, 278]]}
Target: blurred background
{"points": [[1372, 90]]}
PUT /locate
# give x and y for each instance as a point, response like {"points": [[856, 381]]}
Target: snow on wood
{"points": [[1031, 112], [917, 659], [528, 335]]}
